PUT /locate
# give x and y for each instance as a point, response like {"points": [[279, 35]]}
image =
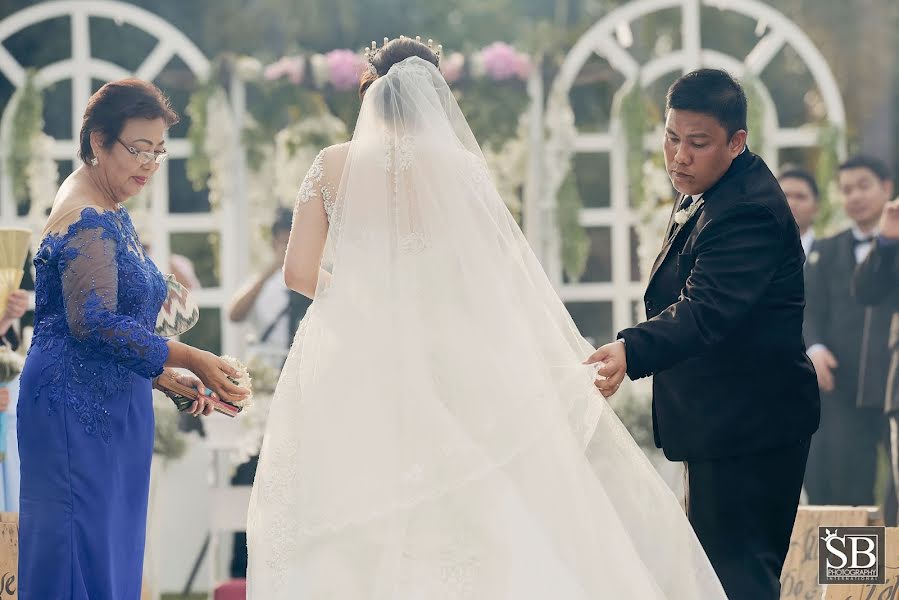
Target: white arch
{"points": [[600, 40]]}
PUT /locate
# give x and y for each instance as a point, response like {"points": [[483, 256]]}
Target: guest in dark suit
{"points": [[734, 395], [801, 190], [848, 344], [877, 284]]}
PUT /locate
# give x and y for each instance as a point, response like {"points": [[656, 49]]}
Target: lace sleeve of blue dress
{"points": [[89, 269]]}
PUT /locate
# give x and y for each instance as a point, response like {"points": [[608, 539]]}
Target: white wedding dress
{"points": [[427, 437]]}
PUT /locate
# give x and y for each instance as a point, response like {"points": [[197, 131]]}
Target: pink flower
{"points": [[293, 67], [344, 67], [451, 66], [502, 61]]}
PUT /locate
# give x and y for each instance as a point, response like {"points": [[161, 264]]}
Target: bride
{"points": [[427, 437]]}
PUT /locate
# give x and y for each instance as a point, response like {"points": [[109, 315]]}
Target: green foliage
{"points": [[492, 108], [198, 161], [826, 171], [635, 121], [755, 117], [27, 122], [575, 242]]}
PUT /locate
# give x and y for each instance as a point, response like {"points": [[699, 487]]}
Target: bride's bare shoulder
{"points": [[337, 152], [334, 158]]}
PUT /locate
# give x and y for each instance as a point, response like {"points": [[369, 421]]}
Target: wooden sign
{"points": [[890, 588], [9, 560], [799, 579]]}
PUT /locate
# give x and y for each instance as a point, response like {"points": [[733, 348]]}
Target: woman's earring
{"points": [[94, 162]]}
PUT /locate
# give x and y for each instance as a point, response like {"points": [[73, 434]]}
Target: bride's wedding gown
{"points": [[427, 437]]}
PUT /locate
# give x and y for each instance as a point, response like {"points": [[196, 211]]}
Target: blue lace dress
{"points": [[85, 420]]}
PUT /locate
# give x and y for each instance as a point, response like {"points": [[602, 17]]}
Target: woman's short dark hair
{"points": [[711, 92], [117, 102], [393, 52]]}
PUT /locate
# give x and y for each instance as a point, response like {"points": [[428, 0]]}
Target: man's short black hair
{"points": [[872, 163], [802, 175], [712, 92], [283, 221]]}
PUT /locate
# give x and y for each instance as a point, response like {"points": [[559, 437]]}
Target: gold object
{"points": [[14, 244]]}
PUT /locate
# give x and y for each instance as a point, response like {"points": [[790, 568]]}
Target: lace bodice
{"points": [[97, 296]]}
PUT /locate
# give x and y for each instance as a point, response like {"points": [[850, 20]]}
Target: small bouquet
{"points": [[264, 376], [183, 396]]}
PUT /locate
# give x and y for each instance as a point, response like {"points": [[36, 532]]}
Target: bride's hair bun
{"points": [[391, 53]]}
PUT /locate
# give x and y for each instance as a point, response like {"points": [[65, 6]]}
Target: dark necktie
{"points": [[865, 240]]}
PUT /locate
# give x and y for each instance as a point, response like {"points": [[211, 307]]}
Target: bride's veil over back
{"points": [[427, 436]]}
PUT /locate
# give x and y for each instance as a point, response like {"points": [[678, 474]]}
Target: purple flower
{"points": [[501, 61], [451, 66], [344, 67], [293, 67]]}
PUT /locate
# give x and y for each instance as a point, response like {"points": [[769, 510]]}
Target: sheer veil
{"points": [[427, 437]]}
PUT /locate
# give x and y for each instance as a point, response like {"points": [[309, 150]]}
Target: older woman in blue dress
{"points": [[85, 417]]}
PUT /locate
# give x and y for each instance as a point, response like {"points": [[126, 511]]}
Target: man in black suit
{"points": [[734, 395], [802, 195], [848, 345], [876, 284]]}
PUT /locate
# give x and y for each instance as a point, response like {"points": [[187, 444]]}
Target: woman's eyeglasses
{"points": [[145, 158]]}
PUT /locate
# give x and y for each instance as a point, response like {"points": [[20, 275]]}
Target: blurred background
{"points": [[565, 96]]}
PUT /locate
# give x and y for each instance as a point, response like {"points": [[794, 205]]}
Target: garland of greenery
{"points": [[27, 124], [198, 165], [633, 113], [575, 241], [829, 138], [755, 109]]}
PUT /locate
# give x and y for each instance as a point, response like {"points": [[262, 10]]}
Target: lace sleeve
{"points": [[316, 185], [312, 218], [89, 272]]}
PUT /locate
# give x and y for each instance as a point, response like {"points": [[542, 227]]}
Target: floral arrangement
{"points": [[27, 124], [341, 68], [500, 62]]}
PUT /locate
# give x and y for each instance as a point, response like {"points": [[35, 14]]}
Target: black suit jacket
{"points": [[876, 284], [724, 335], [855, 334]]}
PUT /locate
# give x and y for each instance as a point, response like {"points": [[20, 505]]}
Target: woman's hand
{"points": [[203, 405], [215, 372], [16, 305]]}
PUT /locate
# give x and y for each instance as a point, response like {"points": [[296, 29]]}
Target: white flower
{"points": [[321, 72], [42, 180], [243, 379], [248, 68], [222, 137], [684, 214], [478, 68]]}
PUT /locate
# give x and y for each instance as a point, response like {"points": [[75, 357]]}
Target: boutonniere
{"points": [[684, 214]]}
